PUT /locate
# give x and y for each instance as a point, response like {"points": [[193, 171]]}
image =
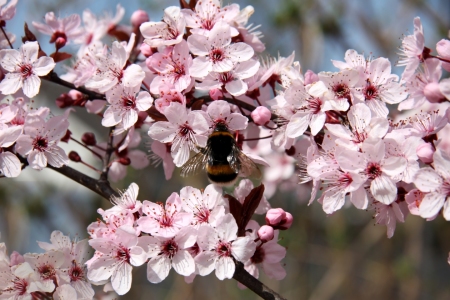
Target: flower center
{"points": [[76, 273], [123, 254], [223, 249], [20, 285], [26, 70], [341, 90], [373, 170], [46, 271], [216, 55], [314, 105], [185, 129], [129, 102], [40, 144], [169, 248], [370, 91], [226, 77], [202, 215]]}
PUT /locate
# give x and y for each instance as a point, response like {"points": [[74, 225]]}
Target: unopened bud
{"points": [[138, 17], [124, 161], [60, 42], [73, 156], [89, 139], [266, 233], [433, 93], [64, 101], [425, 152], [311, 77], [279, 219], [66, 137], [16, 258], [215, 94], [443, 49], [261, 115], [146, 50]]}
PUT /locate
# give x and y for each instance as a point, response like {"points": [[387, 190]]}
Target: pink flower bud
{"points": [[16, 258], [146, 50], [215, 94], [443, 49], [433, 93], [139, 17], [60, 42], [261, 115], [287, 222], [265, 233], [279, 219], [311, 77], [425, 152], [274, 216]]}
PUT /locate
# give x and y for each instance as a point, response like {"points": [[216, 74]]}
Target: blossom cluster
{"points": [[193, 232], [59, 272]]}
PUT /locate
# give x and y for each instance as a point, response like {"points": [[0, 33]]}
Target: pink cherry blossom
{"points": [[67, 29], [207, 13], [389, 215], [49, 266], [411, 50], [10, 165], [206, 207], [362, 127], [168, 32], [310, 107], [164, 221], [184, 130], [8, 11], [436, 184], [261, 115], [220, 113], [443, 49], [220, 245], [267, 254], [114, 259], [40, 141], [24, 69], [380, 88], [168, 95], [376, 166], [424, 86], [112, 70], [126, 103], [19, 281], [231, 81], [216, 53], [167, 253], [173, 68]]}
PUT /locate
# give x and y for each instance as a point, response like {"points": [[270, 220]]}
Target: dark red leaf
{"points": [[60, 56]]}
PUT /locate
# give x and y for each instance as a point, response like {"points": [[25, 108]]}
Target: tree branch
{"points": [[100, 187], [244, 277]]}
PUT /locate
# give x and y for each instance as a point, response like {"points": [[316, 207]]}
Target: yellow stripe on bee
{"points": [[219, 169], [223, 133]]}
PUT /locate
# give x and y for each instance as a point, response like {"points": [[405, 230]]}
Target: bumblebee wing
{"points": [[242, 164], [196, 163]]}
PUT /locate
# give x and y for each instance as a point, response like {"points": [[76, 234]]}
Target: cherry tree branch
{"points": [[109, 151], [244, 277], [99, 186]]}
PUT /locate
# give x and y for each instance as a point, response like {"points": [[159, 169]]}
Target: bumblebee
{"points": [[221, 158]]}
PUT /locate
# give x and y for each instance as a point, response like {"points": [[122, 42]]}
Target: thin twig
{"points": [[6, 37], [106, 159]]}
